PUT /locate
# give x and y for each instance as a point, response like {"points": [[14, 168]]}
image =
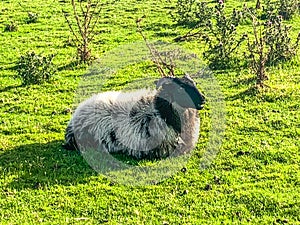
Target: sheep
{"points": [[144, 124]]}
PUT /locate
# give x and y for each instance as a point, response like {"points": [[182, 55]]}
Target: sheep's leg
{"points": [[70, 143]]}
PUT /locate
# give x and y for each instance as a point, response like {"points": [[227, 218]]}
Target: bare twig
{"points": [[71, 28], [94, 24], [77, 18], [188, 35], [157, 59], [86, 19], [258, 65], [258, 4], [155, 55]]}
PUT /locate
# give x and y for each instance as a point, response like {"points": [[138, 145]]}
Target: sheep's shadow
{"points": [[39, 165]]}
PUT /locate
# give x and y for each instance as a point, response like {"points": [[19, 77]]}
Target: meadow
{"points": [[254, 178]]}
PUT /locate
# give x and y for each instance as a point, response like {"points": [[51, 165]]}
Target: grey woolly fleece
{"points": [[131, 124]]}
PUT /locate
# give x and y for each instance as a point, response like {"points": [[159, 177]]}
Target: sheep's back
{"points": [[109, 119]]}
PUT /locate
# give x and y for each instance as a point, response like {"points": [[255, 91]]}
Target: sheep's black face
{"points": [[183, 91]]}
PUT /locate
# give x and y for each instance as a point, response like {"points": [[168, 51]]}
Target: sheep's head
{"points": [[183, 91]]}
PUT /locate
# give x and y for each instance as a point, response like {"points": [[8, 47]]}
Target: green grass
{"points": [[254, 179]]}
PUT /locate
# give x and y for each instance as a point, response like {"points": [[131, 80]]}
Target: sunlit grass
{"points": [[253, 180]]}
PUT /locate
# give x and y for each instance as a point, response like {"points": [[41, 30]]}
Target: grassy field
{"points": [[254, 179]]}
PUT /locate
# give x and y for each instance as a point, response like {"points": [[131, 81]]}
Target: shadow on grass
{"points": [[245, 81], [8, 88], [244, 95], [70, 66], [159, 26], [166, 34], [39, 165]]}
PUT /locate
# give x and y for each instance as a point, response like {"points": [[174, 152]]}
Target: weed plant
{"points": [[32, 17], [216, 28], [271, 43], [285, 8], [222, 38], [12, 26], [34, 68], [86, 19]]}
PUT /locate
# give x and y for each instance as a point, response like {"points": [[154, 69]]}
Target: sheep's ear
{"points": [[187, 76]]}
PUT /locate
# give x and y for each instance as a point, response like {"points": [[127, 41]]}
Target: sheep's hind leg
{"points": [[70, 142]]}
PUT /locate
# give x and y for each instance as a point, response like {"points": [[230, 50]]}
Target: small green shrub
{"points": [[285, 8], [86, 15], [222, 37], [277, 37], [191, 13], [288, 8], [216, 28], [33, 68], [12, 26], [269, 45], [32, 17]]}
